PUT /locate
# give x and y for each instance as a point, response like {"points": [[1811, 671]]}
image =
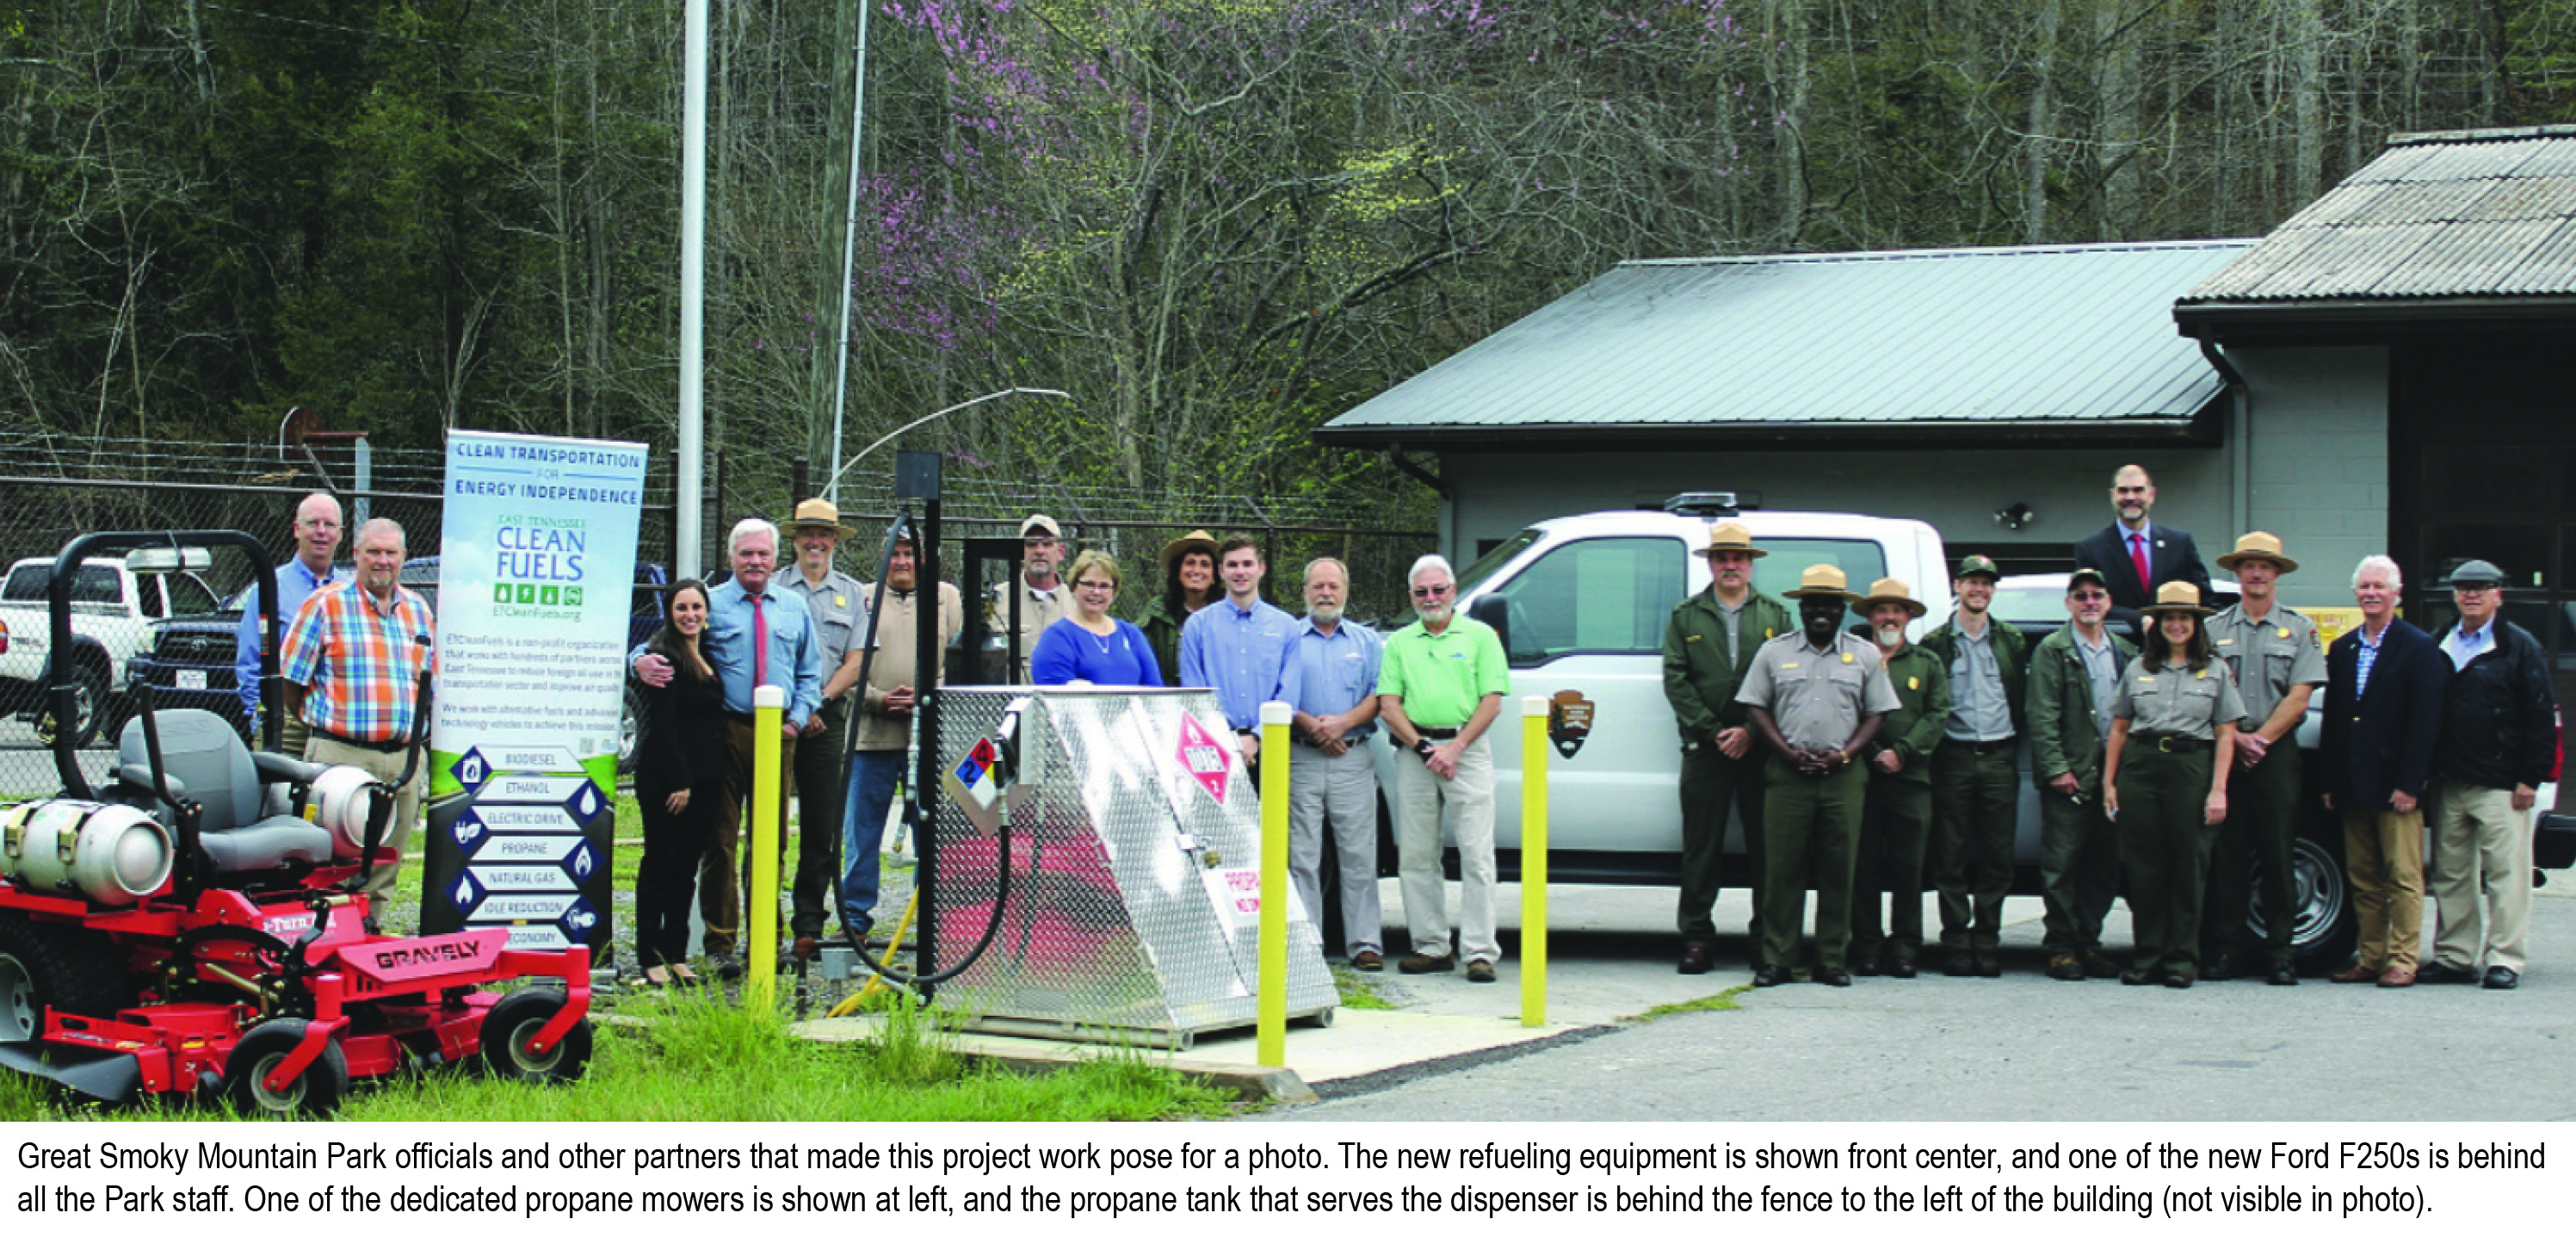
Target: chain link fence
{"points": [[175, 630]]}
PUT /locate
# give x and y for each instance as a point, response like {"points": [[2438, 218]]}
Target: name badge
{"points": [[2227, 641], [1788, 667]]}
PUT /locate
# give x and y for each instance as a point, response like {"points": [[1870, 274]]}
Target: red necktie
{"points": [[2138, 555], [759, 645]]}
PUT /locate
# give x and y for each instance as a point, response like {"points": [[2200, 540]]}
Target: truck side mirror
{"points": [[1495, 611]]}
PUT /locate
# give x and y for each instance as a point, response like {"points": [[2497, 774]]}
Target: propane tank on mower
{"points": [[108, 853], [338, 801]]}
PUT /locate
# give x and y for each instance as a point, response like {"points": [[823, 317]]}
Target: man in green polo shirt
{"points": [[1441, 684]]}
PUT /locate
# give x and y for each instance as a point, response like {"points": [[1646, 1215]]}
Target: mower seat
{"points": [[203, 759]]}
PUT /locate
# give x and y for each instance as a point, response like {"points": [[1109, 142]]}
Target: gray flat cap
{"points": [[2477, 571]]}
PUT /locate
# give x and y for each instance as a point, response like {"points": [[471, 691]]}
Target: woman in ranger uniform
{"points": [[2173, 733]]}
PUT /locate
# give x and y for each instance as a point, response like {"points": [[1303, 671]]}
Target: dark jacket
{"points": [[683, 739], [1913, 729], [2063, 736], [2499, 719], [2012, 658], [2382, 741], [2171, 555], [1698, 679]]}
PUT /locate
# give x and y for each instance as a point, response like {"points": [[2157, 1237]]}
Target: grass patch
{"points": [[697, 1059], [1722, 1001], [1357, 994]]}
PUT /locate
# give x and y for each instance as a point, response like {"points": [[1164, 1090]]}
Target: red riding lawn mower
{"points": [[195, 924]]}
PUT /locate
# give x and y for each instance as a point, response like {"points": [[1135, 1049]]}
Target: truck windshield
{"points": [[1489, 562]]}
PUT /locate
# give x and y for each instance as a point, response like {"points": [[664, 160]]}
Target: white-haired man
{"points": [[1440, 685], [2384, 688]]}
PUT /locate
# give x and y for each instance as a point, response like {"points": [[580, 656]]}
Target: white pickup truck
{"points": [[1582, 602], [115, 602]]}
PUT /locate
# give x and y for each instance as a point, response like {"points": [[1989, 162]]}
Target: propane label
{"points": [[1206, 759]]}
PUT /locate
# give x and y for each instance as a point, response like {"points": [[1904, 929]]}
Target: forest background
{"points": [[1215, 223]]}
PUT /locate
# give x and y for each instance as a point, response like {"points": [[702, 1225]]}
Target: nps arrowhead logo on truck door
{"points": [[1569, 720]]}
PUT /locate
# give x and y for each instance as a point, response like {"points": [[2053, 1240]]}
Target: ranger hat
{"points": [[1823, 580], [2179, 595], [814, 512], [2262, 545], [1977, 565], [1729, 538], [1039, 523], [1199, 542], [2477, 571], [1893, 590]]}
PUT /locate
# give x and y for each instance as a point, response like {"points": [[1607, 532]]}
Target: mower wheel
{"points": [[44, 966], [317, 1093], [514, 1020]]}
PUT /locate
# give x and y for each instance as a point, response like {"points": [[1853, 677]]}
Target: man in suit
{"points": [[2384, 693], [2136, 554]]}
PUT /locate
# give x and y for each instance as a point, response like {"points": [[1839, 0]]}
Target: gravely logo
{"points": [[397, 959], [428, 952]]}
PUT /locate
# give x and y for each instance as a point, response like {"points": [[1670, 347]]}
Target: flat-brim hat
{"points": [[1893, 590], [814, 512], [2178, 595], [1823, 580], [1198, 541], [1729, 538], [2262, 545]]}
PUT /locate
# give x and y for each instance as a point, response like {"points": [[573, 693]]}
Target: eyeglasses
{"points": [[1103, 586], [1434, 590], [2090, 595], [318, 525], [2474, 590]]}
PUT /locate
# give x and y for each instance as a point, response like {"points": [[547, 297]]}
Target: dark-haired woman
{"points": [[2164, 780], [1189, 582], [679, 771]]}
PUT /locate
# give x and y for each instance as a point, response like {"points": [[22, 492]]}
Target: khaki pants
{"points": [[384, 765], [1345, 788], [2481, 849], [1467, 801], [2383, 852]]}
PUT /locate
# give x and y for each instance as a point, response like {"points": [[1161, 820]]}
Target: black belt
{"points": [[1437, 734], [1984, 747], [391, 746], [2182, 745], [1348, 739]]}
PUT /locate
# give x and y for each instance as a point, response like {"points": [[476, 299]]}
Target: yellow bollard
{"points": [[760, 988], [1533, 862], [1272, 1038]]}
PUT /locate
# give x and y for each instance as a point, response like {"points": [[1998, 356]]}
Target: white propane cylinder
{"points": [[338, 801], [108, 853]]}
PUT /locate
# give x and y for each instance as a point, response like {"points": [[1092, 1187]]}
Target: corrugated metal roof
{"points": [[2456, 214], [2066, 333]]}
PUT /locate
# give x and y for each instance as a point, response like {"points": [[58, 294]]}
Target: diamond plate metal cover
{"points": [[1134, 898]]}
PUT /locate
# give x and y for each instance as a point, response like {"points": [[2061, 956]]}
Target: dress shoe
{"points": [[2178, 981], [2282, 975], [2444, 975], [1480, 971], [2098, 965], [2358, 974], [2138, 977], [1902, 967], [1959, 964], [1368, 962], [1989, 964], [2222, 968], [1421, 962], [1833, 976], [727, 967], [2502, 978], [1865, 966], [1696, 960], [1769, 975], [2397, 978], [2065, 968]]}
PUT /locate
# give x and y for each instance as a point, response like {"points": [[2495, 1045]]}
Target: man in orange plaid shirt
{"points": [[352, 666]]}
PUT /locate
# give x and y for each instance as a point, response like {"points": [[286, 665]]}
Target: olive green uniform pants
{"points": [[1811, 831], [1713, 785], [1895, 838], [1976, 804], [2164, 845]]}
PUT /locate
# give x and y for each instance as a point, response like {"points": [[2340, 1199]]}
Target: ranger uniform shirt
{"points": [[2162, 700], [2269, 656], [1818, 697]]}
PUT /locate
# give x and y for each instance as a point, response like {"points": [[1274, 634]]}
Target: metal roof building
{"points": [[1957, 347]]}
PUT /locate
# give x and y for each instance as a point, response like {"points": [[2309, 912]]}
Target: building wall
{"points": [[2317, 469], [1956, 492]]}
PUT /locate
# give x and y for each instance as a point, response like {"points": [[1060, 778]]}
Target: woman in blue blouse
{"points": [[1089, 645]]}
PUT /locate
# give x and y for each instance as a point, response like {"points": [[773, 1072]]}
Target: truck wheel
{"points": [[317, 1093], [2324, 922], [42, 967], [630, 730], [515, 1020], [90, 703]]}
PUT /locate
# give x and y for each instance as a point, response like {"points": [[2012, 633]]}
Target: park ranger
{"points": [[2278, 663], [2074, 673], [1816, 699], [1708, 644], [1976, 786], [1896, 821]]}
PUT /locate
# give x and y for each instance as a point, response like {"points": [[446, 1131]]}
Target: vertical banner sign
{"points": [[535, 584]]}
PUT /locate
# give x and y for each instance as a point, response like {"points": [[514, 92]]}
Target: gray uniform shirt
{"points": [[2268, 655], [1734, 622], [1818, 697], [2164, 701], [2102, 668], [1979, 710], [839, 604]]}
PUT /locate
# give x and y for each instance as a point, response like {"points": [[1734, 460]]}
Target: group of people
{"points": [[2167, 766]]}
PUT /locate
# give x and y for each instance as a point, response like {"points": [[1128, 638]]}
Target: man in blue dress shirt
{"points": [[317, 542], [1242, 647], [1329, 772]]}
